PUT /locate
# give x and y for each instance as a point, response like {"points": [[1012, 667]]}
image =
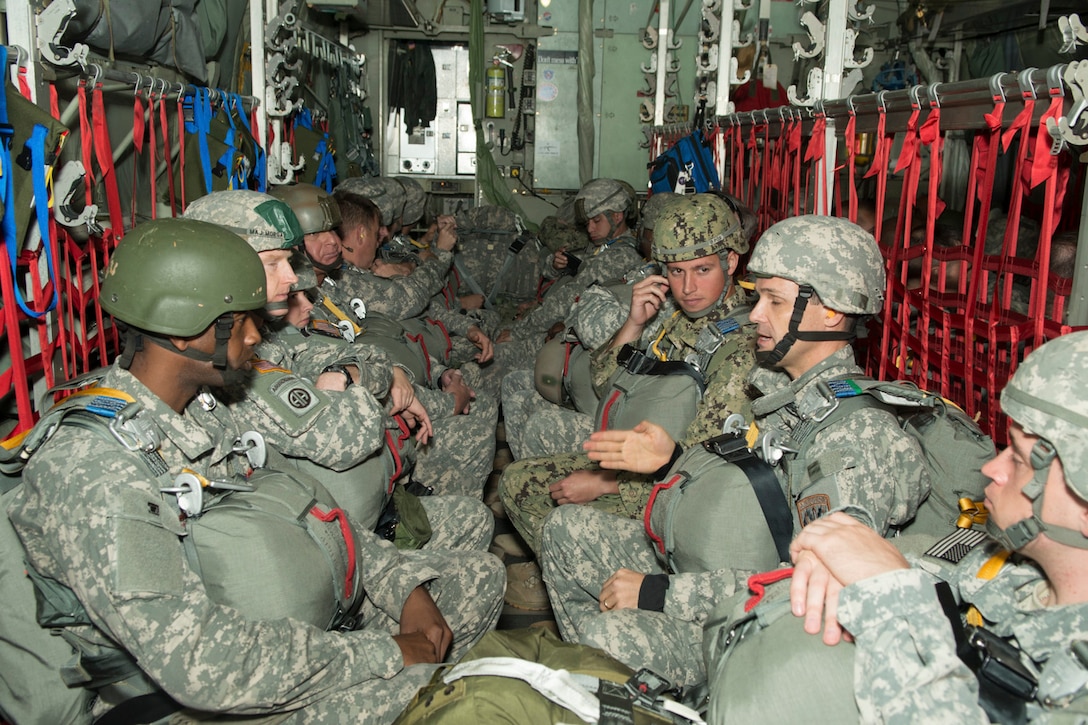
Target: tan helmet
{"points": [[316, 209], [264, 221]]}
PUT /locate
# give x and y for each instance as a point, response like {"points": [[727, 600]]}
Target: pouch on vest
{"points": [[706, 516], [740, 649], [669, 399], [578, 680], [284, 549], [685, 168]]}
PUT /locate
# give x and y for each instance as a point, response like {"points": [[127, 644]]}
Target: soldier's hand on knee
{"points": [[421, 615], [643, 449], [583, 487], [477, 337], [417, 418], [620, 591]]}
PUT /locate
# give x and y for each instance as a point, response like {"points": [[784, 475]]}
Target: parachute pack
{"points": [[728, 479]]}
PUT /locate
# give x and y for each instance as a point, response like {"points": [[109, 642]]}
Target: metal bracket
{"points": [[848, 51], [816, 33], [51, 24], [70, 180], [814, 89], [359, 308], [854, 12], [1073, 32]]}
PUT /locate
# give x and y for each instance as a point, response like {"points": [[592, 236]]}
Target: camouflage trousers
{"points": [[538, 427], [509, 356], [525, 496], [582, 547], [458, 523], [469, 594], [460, 456]]}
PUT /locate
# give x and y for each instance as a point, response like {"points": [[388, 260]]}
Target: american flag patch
{"points": [[956, 545]]}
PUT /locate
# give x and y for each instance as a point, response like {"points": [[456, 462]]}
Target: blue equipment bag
{"points": [[685, 168]]}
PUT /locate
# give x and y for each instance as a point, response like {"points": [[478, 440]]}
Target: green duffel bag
{"points": [[528, 676]]}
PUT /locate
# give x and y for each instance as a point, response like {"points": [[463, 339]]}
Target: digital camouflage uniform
{"points": [[536, 426], [131, 575], [865, 463], [458, 458], [93, 520], [524, 485], [905, 662], [399, 297]]}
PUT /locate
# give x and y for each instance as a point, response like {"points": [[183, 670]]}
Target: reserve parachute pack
{"points": [[953, 445], [729, 479], [719, 507], [529, 676], [496, 256], [685, 168], [667, 392], [271, 544]]}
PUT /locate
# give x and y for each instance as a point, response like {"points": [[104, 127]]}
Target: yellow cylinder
{"points": [[496, 91]]}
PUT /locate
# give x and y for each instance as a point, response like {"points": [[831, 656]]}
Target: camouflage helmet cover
{"points": [[1048, 397], [316, 209], [696, 226], [304, 271], [262, 220], [836, 257], [653, 207], [177, 276], [602, 195], [415, 200], [386, 193]]}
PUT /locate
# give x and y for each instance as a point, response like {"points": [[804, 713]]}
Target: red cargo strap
{"points": [[658, 487]]}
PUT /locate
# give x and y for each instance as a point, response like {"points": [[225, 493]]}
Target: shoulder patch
{"points": [[813, 507], [297, 393], [956, 545]]}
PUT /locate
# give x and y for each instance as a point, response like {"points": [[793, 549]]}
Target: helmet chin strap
{"points": [[326, 268], [223, 326], [804, 295], [1025, 531]]}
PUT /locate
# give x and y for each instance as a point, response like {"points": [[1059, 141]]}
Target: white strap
{"points": [[559, 686]]}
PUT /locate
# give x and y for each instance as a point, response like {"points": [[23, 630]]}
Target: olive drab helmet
{"points": [[696, 226], [829, 256], [1048, 397], [177, 277], [315, 208], [415, 200], [386, 193]]}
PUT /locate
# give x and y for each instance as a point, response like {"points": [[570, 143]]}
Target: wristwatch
{"points": [[341, 369]]}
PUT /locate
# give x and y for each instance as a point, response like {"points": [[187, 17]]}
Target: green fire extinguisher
{"points": [[496, 91]]}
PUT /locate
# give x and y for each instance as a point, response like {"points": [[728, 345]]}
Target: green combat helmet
{"points": [[264, 221], [316, 209], [387, 193], [1047, 397], [415, 200], [829, 256], [175, 278], [692, 227]]}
